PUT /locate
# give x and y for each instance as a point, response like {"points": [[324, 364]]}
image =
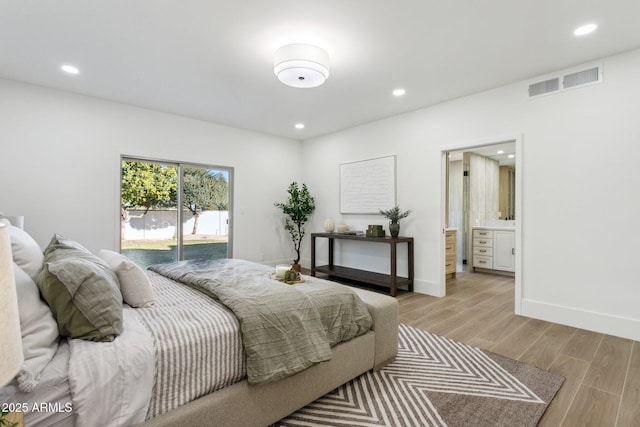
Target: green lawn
{"points": [[146, 253]]}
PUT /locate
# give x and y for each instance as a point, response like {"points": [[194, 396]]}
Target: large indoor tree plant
{"points": [[298, 208]]}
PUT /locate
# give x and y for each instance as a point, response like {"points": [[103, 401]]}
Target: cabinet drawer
{"points": [[486, 243], [482, 261], [480, 233], [482, 251], [450, 235], [449, 249], [450, 265]]}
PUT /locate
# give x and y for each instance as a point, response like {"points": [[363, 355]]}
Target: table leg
{"points": [[313, 256], [410, 262], [394, 270], [330, 253]]}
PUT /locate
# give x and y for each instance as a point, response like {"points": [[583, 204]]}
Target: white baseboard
{"points": [[426, 287], [593, 321]]}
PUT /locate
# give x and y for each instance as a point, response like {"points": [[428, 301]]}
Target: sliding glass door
{"points": [[205, 212], [154, 230]]}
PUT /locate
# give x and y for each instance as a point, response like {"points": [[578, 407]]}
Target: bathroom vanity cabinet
{"points": [[450, 252], [494, 249]]}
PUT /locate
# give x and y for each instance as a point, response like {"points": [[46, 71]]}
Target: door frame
{"points": [[463, 145]]}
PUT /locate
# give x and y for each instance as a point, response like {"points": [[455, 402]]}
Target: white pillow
{"points": [[26, 252], [134, 283], [39, 331]]}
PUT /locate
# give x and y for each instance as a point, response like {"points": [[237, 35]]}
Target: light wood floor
{"points": [[602, 386]]}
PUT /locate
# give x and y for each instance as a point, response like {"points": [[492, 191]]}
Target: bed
{"points": [[185, 347]]}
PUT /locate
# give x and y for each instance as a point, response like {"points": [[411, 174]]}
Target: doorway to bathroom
{"points": [[481, 199]]}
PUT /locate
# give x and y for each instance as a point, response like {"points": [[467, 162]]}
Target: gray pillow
{"points": [[60, 242], [81, 291]]}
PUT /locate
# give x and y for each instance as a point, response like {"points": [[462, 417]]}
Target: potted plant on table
{"points": [[298, 208], [394, 215]]}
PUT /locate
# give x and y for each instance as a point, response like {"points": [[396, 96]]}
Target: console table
{"points": [[391, 281]]}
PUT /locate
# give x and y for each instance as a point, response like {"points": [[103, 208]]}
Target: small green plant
{"points": [[291, 276], [394, 215], [4, 422], [298, 208]]}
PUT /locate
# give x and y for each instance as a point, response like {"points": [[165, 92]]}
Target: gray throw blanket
{"points": [[285, 328]]}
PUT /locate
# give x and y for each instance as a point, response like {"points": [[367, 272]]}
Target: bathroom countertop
{"points": [[494, 227]]}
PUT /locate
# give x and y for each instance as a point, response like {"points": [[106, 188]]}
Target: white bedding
{"points": [[183, 347], [197, 342], [53, 387], [165, 357], [118, 392], [168, 354], [92, 384]]}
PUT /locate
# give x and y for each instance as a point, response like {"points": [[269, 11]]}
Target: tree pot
{"points": [[295, 267]]}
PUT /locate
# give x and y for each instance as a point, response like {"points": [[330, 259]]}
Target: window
{"points": [[152, 228]]}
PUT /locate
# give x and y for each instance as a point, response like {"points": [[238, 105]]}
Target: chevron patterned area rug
{"points": [[435, 381]]}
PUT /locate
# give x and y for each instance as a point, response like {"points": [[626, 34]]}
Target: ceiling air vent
{"points": [[581, 78], [570, 80], [546, 86]]}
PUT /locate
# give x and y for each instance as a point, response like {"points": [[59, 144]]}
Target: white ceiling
{"points": [[213, 59]]}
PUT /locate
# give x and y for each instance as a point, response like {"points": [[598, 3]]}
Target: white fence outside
{"points": [[161, 224]]}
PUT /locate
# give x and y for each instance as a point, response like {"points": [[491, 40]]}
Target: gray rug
{"points": [[435, 381]]}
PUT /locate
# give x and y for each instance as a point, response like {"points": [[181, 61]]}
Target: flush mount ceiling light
{"points": [[399, 92], [301, 65]]}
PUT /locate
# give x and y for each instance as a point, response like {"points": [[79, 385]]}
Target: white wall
{"points": [[61, 151], [579, 180], [60, 166]]}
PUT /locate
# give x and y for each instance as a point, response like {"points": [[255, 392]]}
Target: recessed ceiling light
{"points": [[69, 69], [299, 125], [399, 92], [585, 29], [511, 156], [500, 151]]}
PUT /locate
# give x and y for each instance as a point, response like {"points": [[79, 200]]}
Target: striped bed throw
{"points": [[189, 329]]}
